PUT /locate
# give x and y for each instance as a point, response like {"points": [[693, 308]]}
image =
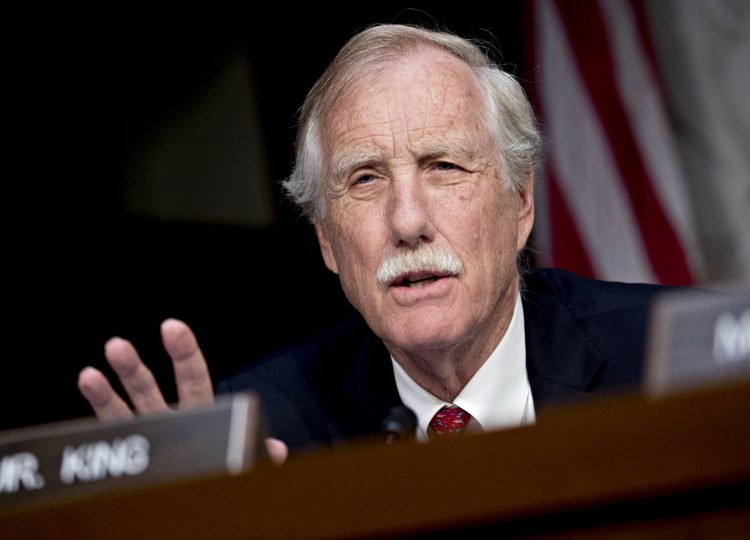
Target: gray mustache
{"points": [[424, 258]]}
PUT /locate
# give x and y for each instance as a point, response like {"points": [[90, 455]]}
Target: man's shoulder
{"points": [[585, 297], [584, 335], [304, 388]]}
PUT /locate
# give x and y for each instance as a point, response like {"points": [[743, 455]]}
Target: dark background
{"points": [[86, 90]]}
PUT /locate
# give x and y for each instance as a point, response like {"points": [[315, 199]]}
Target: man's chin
{"points": [[420, 338]]}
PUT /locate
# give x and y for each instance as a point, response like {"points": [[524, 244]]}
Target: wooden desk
{"points": [[625, 467]]}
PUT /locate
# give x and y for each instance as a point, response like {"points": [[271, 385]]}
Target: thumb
{"points": [[277, 450]]}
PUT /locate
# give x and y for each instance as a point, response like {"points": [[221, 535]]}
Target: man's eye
{"points": [[445, 166], [363, 179]]}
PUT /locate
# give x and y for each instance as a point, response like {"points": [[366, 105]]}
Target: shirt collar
{"points": [[497, 396]]}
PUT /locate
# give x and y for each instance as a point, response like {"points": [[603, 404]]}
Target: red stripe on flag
{"points": [[586, 30], [568, 250]]}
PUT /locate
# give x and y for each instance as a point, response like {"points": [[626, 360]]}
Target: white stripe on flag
{"points": [[579, 152], [644, 105]]}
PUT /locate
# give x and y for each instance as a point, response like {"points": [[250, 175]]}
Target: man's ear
{"points": [[325, 248], [525, 210]]}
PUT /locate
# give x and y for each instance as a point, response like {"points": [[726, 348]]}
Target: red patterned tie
{"points": [[448, 422]]}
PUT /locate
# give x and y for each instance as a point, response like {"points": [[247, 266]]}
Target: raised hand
{"points": [[193, 381], [191, 375]]}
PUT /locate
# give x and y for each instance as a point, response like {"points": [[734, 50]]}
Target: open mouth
{"points": [[415, 280]]}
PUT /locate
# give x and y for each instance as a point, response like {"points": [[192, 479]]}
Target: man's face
{"points": [[412, 163]]}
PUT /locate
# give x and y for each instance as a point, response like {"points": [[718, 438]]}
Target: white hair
{"points": [[508, 114]]}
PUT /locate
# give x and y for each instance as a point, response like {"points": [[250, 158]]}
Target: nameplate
{"points": [[697, 338], [79, 457]]}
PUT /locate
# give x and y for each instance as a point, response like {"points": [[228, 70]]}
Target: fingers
{"points": [[191, 375], [135, 377], [103, 399], [277, 450], [191, 372]]}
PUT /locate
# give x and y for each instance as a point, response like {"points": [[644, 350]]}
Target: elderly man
{"points": [[415, 160]]}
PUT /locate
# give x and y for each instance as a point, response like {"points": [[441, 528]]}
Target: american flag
{"points": [[615, 199]]}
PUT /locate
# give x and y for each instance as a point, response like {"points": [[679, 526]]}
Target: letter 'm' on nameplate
{"points": [[697, 338], [86, 456]]}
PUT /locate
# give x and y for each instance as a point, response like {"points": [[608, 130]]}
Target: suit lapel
{"points": [[561, 361], [368, 393]]}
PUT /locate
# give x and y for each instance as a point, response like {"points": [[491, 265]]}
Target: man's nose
{"points": [[410, 214]]}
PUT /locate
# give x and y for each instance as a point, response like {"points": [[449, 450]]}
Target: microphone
{"points": [[399, 425]]}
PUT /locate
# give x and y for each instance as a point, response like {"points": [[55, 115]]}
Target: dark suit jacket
{"points": [[582, 337]]}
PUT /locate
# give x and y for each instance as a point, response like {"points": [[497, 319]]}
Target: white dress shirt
{"points": [[498, 396]]}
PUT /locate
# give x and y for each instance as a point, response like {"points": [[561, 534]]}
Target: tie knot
{"points": [[450, 421]]}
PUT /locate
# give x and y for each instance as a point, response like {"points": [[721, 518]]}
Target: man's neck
{"points": [[444, 372]]}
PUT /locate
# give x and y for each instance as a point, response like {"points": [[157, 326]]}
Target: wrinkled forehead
{"points": [[423, 98]]}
